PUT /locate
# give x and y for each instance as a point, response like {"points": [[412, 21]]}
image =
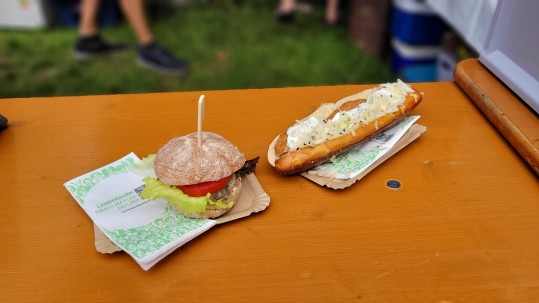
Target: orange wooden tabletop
{"points": [[514, 119], [462, 228]]}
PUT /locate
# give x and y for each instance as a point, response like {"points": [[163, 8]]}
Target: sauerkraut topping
{"points": [[313, 130]]}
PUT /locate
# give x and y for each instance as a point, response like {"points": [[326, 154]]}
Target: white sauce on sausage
{"points": [[313, 130]]}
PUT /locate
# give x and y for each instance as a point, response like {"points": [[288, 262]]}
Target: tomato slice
{"points": [[201, 189]]}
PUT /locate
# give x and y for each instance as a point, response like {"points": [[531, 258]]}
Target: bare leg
{"points": [[88, 23], [150, 53], [134, 12], [286, 6], [332, 11], [89, 44]]}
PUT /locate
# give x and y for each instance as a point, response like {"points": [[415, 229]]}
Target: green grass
{"points": [[229, 46]]}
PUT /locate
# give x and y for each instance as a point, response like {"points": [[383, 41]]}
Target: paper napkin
{"points": [[145, 229], [355, 161]]}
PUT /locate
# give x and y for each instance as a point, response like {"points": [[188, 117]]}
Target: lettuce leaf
{"points": [[144, 167], [155, 189]]}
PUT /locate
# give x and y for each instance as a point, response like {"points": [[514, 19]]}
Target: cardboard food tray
{"points": [[252, 199], [412, 134]]}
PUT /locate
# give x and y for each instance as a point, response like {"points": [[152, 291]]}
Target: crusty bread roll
{"points": [[182, 162], [337, 127]]}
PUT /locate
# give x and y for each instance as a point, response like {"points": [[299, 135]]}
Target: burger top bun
{"points": [[182, 162]]}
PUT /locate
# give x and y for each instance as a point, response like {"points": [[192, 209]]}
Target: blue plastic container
{"points": [[406, 55], [414, 22], [419, 73]]}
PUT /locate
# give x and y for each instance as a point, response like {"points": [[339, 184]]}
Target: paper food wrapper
{"points": [[252, 199], [413, 133], [148, 230], [349, 167]]}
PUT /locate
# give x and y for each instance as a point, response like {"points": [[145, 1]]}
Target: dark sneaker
{"points": [[91, 47], [158, 59], [285, 17]]}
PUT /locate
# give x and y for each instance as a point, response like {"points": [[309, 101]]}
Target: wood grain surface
{"points": [[515, 120], [462, 228]]}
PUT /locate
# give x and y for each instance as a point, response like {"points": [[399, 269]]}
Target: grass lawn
{"points": [[229, 46]]}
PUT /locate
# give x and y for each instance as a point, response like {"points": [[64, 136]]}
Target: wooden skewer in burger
{"points": [[199, 174]]}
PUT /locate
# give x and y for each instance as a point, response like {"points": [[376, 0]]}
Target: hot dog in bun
{"points": [[200, 181], [337, 127]]}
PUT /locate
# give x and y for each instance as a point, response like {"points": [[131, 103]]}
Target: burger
{"points": [[199, 180]]}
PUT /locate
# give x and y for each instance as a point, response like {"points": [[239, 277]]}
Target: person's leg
{"points": [[332, 11], [88, 16], [287, 6], [89, 44], [136, 16], [150, 54], [286, 11]]}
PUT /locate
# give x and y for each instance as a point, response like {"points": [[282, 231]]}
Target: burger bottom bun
{"points": [[212, 211]]}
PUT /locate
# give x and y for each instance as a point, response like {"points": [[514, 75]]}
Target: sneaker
{"points": [[93, 46], [158, 59], [285, 17]]}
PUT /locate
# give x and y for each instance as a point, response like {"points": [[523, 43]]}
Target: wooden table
{"points": [[464, 226], [514, 119]]}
